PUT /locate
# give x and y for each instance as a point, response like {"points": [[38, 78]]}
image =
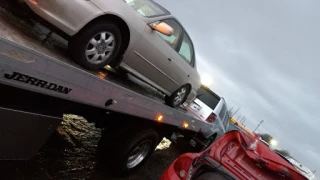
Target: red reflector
{"points": [[181, 166], [211, 118]]}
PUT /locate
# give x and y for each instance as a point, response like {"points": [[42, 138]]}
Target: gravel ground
{"points": [[70, 154]]}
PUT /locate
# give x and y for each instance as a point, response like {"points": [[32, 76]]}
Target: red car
{"points": [[236, 155]]}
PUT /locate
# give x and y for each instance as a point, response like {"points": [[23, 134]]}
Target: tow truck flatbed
{"points": [[32, 62]]}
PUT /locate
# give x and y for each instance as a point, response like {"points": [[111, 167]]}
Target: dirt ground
{"points": [[70, 154]]}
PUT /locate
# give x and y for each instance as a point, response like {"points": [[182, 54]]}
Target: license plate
{"points": [[195, 106]]}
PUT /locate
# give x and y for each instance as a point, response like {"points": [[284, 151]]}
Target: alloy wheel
{"points": [[180, 96], [100, 47], [139, 153]]}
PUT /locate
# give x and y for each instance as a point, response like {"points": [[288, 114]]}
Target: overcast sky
{"points": [[263, 56]]}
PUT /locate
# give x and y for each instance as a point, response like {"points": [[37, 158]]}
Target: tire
{"points": [[170, 100], [125, 148], [122, 73], [211, 176], [90, 39]]}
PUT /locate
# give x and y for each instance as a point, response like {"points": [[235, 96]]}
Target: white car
{"points": [[212, 109], [140, 36]]}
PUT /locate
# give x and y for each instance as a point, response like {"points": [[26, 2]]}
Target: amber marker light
{"points": [[102, 75], [159, 117], [185, 125]]}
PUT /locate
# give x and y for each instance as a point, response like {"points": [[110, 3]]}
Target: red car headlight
{"points": [[182, 166]]}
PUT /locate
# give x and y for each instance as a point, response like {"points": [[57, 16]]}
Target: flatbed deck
{"points": [[34, 36], [28, 58]]}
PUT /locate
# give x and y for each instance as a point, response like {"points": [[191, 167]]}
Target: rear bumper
{"points": [[22, 134]]}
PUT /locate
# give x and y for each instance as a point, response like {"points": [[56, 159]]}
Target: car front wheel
{"points": [[96, 45]]}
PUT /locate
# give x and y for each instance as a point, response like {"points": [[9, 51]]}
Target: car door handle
{"points": [[169, 59]]}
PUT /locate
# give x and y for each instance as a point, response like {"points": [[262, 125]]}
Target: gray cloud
{"points": [[263, 56]]}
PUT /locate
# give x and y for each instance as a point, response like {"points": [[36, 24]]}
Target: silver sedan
{"points": [[139, 36]]}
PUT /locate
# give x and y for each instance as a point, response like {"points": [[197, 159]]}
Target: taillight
{"points": [[211, 118], [182, 166]]}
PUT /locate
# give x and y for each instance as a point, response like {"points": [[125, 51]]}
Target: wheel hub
{"points": [[180, 96], [138, 154], [100, 47]]}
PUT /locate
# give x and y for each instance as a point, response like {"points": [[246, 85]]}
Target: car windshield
{"points": [[147, 8]]}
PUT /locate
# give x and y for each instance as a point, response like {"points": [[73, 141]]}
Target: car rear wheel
{"points": [[178, 97], [96, 45]]}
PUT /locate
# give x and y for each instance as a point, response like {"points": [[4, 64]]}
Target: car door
{"points": [[151, 56], [184, 62], [174, 67], [181, 65]]}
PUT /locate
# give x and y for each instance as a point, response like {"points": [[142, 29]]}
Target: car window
{"points": [[147, 8], [226, 120], [174, 38], [227, 126], [186, 50], [223, 111], [207, 98]]}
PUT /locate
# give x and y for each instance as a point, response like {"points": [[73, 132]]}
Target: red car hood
{"points": [[247, 157]]}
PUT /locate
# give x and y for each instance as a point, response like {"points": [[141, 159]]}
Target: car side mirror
{"points": [[163, 28]]}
